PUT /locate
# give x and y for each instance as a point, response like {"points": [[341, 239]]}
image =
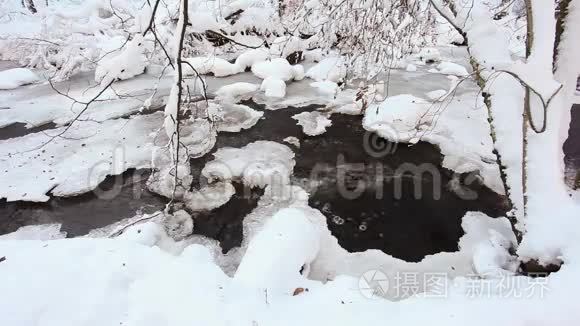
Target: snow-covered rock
{"points": [[429, 55], [209, 197], [292, 141], [287, 244], [398, 118], [127, 63], [273, 87], [251, 57], [12, 78], [257, 164], [450, 68], [198, 136], [178, 225], [233, 117], [313, 123], [278, 68], [205, 65], [236, 91], [331, 69], [326, 88]]}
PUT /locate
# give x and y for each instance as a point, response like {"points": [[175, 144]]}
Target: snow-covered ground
{"points": [[289, 269], [144, 276]]}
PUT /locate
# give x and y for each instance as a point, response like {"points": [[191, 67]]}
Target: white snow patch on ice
{"points": [[313, 123], [12, 78], [36, 232], [450, 68], [292, 141], [233, 117], [257, 164], [38, 163]]}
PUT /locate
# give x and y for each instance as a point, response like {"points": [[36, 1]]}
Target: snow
{"points": [[411, 67], [233, 117], [209, 197], [36, 232], [204, 65], [273, 87], [132, 280], [406, 118], [12, 78], [288, 242], [429, 54], [292, 141], [41, 162], [236, 91], [450, 68], [332, 69], [397, 118], [127, 98], [251, 57], [313, 123], [128, 63], [326, 88], [145, 273], [278, 68], [436, 95], [257, 164]]}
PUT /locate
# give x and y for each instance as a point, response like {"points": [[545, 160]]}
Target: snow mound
{"points": [[36, 232], [199, 136], [127, 63], [236, 91], [429, 55], [292, 141], [450, 68], [209, 197], [411, 67], [233, 117], [326, 88], [278, 68], [332, 69], [313, 123], [12, 78], [257, 164], [284, 248], [205, 65], [398, 118], [251, 57], [273, 87], [284, 46]]}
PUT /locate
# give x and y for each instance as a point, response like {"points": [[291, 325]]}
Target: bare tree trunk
{"points": [[561, 13], [529, 43]]}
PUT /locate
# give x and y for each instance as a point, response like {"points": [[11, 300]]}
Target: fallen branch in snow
{"points": [[124, 227]]}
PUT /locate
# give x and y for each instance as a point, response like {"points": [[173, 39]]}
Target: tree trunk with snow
{"points": [[29, 4]]}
